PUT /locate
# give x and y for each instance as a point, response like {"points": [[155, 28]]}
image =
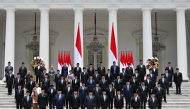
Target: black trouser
{"points": [[111, 103], [159, 103], [97, 103], [51, 104], [127, 99], [67, 103], [118, 108], [38, 78], [167, 90], [143, 103], [75, 108], [164, 94], [114, 76], [19, 104], [149, 93], [82, 105], [57, 87], [30, 92], [42, 107], [142, 78], [178, 88], [10, 87]]}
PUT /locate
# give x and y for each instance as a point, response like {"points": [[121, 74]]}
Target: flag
{"points": [[69, 62], [132, 62], [124, 60], [63, 57], [121, 61], [113, 46], [59, 61]]}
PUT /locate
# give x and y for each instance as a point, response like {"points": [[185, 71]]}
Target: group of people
{"points": [[92, 88]]}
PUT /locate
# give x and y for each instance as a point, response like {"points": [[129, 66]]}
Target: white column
{"points": [[10, 37], [147, 34], [181, 42], [78, 21], [44, 35], [112, 21]]}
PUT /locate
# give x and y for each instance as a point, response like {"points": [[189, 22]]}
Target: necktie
{"points": [[19, 91], [58, 75], [114, 70], [177, 74], [42, 95]]}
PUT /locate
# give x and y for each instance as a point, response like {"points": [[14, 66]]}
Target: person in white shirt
{"points": [[36, 91]]}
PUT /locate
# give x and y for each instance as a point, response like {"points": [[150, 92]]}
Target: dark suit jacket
{"points": [[138, 77], [104, 103], [27, 77], [143, 93], [77, 72], [23, 72], [43, 100], [158, 94], [90, 103], [118, 85], [151, 104], [97, 79], [84, 77], [141, 70], [64, 70], [111, 94], [62, 86], [112, 70], [42, 76], [38, 71], [76, 85], [19, 96], [170, 70], [68, 93], [97, 94], [127, 93], [101, 71], [155, 72], [135, 85], [82, 93], [51, 95], [129, 71], [118, 103], [103, 85], [7, 69], [165, 84], [153, 78], [110, 78], [90, 86], [46, 85], [57, 78], [178, 78], [124, 77], [30, 86], [90, 72], [75, 103], [10, 79], [169, 77], [135, 104], [149, 85], [16, 83], [59, 103], [27, 104]]}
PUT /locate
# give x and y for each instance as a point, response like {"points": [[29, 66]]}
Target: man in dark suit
{"points": [[19, 95], [169, 79], [164, 84], [18, 81], [137, 75], [114, 70], [7, 68], [96, 76], [27, 77], [103, 83], [42, 100], [124, 76], [111, 95], [109, 76], [129, 70], [134, 83], [97, 92], [68, 93], [64, 70], [90, 101], [159, 93], [27, 101], [135, 102], [82, 93], [90, 70], [23, 71], [152, 77], [38, 72], [59, 100], [76, 83], [170, 71], [51, 94], [178, 79], [127, 93], [142, 70], [84, 75], [152, 102], [46, 83], [57, 79], [101, 69], [77, 70], [149, 85], [44, 74], [90, 84], [143, 94], [155, 71], [75, 100], [62, 84], [30, 85], [118, 101], [9, 82], [118, 84], [104, 100]]}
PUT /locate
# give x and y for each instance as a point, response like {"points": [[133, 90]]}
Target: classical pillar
{"points": [[10, 37], [147, 34], [78, 37], [181, 42], [112, 37], [44, 35]]}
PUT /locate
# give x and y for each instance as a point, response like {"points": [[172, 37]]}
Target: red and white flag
{"points": [[124, 60], [59, 61], [122, 63], [132, 62], [69, 62], [78, 47], [113, 46]]}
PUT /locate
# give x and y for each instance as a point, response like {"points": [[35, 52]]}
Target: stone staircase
{"points": [[173, 101]]}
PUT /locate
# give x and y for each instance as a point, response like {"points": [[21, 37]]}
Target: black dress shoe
{"points": [[165, 101], [168, 94]]}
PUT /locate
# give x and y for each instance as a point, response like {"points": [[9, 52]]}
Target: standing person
{"points": [[96, 76], [97, 92], [114, 70], [111, 95], [57, 79], [64, 70], [127, 93], [159, 92], [152, 102], [19, 95], [170, 71], [46, 83], [30, 85], [101, 69], [23, 72], [104, 100], [27, 77], [137, 76], [75, 100], [18, 81], [62, 84], [82, 94], [134, 83], [141, 70], [143, 94], [118, 84], [164, 84], [178, 79], [90, 84], [70, 76], [155, 71], [152, 77], [124, 76], [109, 76], [76, 83], [36, 91], [27, 101], [77, 70], [38, 71], [43, 100], [84, 76], [90, 101], [118, 101], [169, 79], [51, 95], [103, 83], [149, 85], [52, 75], [44, 74], [7, 68], [135, 102], [90, 70], [68, 93], [9, 82], [129, 70], [59, 100]]}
